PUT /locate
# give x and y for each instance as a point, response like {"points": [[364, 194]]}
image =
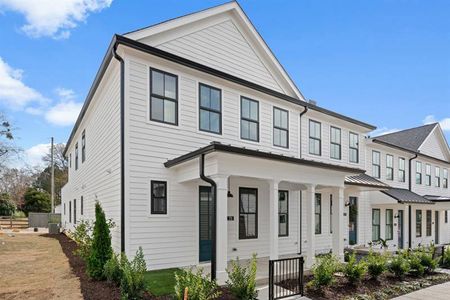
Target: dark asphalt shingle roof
{"points": [[406, 196], [437, 198], [409, 139], [365, 180]]}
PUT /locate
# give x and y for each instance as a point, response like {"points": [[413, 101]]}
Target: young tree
{"points": [[36, 201], [101, 250], [7, 207]]}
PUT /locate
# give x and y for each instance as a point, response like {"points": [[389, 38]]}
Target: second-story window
{"points": [[70, 160], [418, 172], [280, 127], [389, 167], [163, 97], [438, 176], [210, 109], [315, 142], [401, 169], [376, 164], [76, 156], [249, 119], [83, 146], [353, 148], [335, 142], [445, 179], [428, 174]]}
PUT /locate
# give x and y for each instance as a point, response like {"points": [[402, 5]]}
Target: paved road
{"points": [[436, 292]]}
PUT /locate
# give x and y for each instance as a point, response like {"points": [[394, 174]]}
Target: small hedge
{"points": [[242, 279], [323, 270]]}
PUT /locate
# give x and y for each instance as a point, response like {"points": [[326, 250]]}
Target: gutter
{"points": [[214, 229], [300, 123], [122, 147], [410, 206]]}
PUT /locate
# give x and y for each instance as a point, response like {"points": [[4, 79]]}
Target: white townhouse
{"points": [[202, 149]]}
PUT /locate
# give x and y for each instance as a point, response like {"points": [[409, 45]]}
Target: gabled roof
{"points": [[160, 33], [365, 180], [406, 196], [409, 139]]}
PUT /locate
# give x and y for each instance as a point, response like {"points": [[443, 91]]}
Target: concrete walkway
{"points": [[436, 292]]}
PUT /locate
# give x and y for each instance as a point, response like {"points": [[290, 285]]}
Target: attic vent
{"points": [[313, 102]]}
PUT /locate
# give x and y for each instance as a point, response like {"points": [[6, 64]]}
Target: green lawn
{"points": [[160, 282]]}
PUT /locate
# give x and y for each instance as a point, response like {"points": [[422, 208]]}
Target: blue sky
{"points": [[383, 62]]}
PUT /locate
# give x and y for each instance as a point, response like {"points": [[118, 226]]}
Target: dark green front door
{"points": [[205, 223], [353, 221], [400, 228], [436, 227]]}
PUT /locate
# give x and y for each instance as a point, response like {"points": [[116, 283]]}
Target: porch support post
{"points": [[273, 218], [310, 225], [221, 228], [338, 224]]}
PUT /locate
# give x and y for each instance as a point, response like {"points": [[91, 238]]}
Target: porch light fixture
{"points": [[396, 216], [347, 203], [229, 194]]}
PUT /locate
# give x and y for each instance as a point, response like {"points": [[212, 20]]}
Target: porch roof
{"points": [[219, 147], [406, 196], [437, 198], [365, 180]]}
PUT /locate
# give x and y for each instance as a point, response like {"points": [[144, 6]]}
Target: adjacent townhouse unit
{"points": [[200, 146]]}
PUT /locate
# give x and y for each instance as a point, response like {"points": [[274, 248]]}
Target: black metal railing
{"points": [[285, 277]]}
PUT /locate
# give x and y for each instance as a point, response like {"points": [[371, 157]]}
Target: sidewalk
{"points": [[436, 292]]}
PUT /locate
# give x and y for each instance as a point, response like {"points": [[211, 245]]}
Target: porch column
{"points": [[221, 228], [310, 225], [273, 218], [338, 223]]}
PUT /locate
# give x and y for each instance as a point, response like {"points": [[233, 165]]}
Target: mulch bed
{"points": [[387, 284]]}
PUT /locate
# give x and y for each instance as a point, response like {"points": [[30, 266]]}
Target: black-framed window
{"points": [[428, 174], [163, 97], [335, 143], [331, 213], [446, 216], [445, 178], [283, 213], [70, 160], [376, 166], [389, 228], [315, 137], [375, 224], [248, 213], [75, 211], [429, 222], [83, 146], [418, 172], [64, 209], [418, 222], [318, 213], [280, 127], [437, 174], [70, 212], [210, 109], [249, 119], [81, 205], [76, 156], [158, 197], [353, 147], [401, 169], [389, 167]]}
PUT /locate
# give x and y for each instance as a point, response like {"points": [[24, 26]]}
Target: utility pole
{"points": [[52, 180]]}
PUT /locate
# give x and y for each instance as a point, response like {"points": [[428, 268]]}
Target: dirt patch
{"points": [[34, 267]]}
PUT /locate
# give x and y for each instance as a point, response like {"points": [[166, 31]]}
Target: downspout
{"points": [[122, 148], [214, 199], [300, 121], [301, 194], [410, 206]]}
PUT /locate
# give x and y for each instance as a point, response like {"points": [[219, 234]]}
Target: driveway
{"points": [[34, 267]]}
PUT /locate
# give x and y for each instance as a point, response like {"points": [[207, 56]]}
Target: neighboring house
{"points": [[198, 109]]}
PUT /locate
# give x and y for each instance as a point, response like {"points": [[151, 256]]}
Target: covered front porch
{"points": [[268, 204]]}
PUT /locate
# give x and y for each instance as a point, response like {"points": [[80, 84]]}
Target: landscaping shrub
{"points": [[427, 260], [399, 265], [113, 269], [445, 262], [199, 287], [242, 280], [82, 236], [101, 250], [132, 283], [376, 264], [354, 270], [323, 270], [415, 263], [7, 206], [19, 214]]}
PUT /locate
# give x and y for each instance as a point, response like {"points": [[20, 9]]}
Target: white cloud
{"points": [[14, 92], [66, 111], [445, 123], [383, 130], [33, 155], [53, 18]]}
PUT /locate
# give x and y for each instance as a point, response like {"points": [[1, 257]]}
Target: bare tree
{"points": [[58, 158], [16, 181], [7, 148]]}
